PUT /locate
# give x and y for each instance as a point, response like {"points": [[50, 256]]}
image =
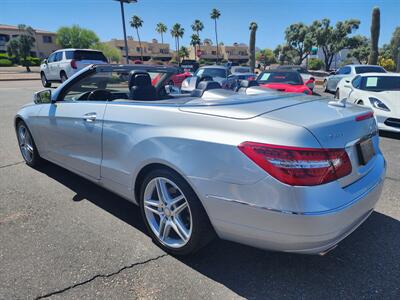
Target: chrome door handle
{"points": [[90, 117]]}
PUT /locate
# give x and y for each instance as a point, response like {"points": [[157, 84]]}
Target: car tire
{"points": [[45, 82], [27, 145], [63, 76], [189, 228]]}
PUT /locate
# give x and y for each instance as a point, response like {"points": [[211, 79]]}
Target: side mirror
{"points": [[310, 83], [45, 61], [42, 97]]}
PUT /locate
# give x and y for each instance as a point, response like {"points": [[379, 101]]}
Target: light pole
{"points": [[123, 25]]}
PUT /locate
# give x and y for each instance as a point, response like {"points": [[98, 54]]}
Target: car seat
{"points": [[140, 87]]}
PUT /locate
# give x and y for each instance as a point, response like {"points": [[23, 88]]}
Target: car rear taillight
{"points": [[366, 116], [73, 64], [250, 78], [299, 166]]}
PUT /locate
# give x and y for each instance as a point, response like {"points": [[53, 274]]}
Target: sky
{"points": [[272, 17]]}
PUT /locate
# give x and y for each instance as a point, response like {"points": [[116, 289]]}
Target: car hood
{"points": [[390, 98]]}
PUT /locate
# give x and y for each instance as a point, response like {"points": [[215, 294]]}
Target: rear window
{"points": [[369, 69], [280, 77], [86, 55]]}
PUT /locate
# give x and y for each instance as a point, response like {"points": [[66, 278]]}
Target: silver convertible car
{"points": [[285, 172]]}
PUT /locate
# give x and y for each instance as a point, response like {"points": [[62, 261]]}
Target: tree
{"points": [[332, 39], [207, 41], [177, 32], [76, 37], [315, 64], [252, 45], [215, 14], [112, 53], [183, 52], [387, 63], [197, 26], [375, 28], [194, 41], [299, 37], [137, 22], [266, 56], [360, 48], [161, 28], [21, 45], [285, 54], [395, 47]]}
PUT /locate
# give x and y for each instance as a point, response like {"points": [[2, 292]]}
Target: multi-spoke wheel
{"points": [[173, 214], [27, 145]]}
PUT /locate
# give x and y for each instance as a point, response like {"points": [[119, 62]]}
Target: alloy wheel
{"points": [[167, 212], [25, 143]]}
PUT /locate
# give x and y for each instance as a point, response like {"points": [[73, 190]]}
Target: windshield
{"points": [[213, 72], [294, 68], [293, 78], [380, 83], [369, 69], [240, 70]]}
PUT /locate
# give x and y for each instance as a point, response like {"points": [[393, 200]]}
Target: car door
{"points": [[354, 93], [49, 67], [334, 80], [72, 127]]}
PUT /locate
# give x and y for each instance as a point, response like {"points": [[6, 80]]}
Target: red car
{"points": [[284, 81], [176, 79]]}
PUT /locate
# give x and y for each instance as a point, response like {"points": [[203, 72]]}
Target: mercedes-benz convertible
{"points": [[285, 172]]}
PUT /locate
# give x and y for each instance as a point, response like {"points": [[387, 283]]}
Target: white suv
{"points": [[62, 64]]}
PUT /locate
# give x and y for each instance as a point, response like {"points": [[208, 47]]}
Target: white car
{"points": [[62, 64], [331, 82], [380, 91]]}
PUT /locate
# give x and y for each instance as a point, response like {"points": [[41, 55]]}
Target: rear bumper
{"points": [[309, 231]]}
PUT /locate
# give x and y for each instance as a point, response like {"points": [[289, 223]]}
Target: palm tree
{"points": [[136, 23], [177, 32], [197, 26], [215, 14], [194, 41], [184, 52], [252, 45], [161, 28]]}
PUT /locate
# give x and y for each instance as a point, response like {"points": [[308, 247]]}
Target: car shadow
{"points": [[388, 134], [364, 265]]}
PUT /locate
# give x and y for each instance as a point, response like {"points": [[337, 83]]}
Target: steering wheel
{"points": [[101, 95]]}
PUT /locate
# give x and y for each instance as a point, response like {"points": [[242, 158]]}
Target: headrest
{"points": [[204, 86], [133, 76], [248, 83], [142, 79], [208, 85]]}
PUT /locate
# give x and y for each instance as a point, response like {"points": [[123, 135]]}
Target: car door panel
{"points": [[72, 131]]}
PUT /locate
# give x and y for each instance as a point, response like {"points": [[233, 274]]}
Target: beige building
{"points": [[236, 53], [151, 50], [45, 41]]}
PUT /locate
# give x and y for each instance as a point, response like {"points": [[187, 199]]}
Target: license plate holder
{"points": [[365, 151]]}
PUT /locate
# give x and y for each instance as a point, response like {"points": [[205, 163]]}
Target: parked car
{"points": [[175, 79], [62, 64], [330, 83], [207, 73], [305, 74], [284, 81], [240, 70], [233, 81], [190, 65], [251, 169], [379, 91]]}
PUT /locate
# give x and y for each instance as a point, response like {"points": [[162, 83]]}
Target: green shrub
{"points": [[4, 56], [5, 62], [32, 61], [315, 64]]}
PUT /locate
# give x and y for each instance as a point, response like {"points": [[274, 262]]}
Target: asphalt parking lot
{"points": [[63, 237]]}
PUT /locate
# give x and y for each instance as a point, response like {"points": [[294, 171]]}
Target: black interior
{"points": [[140, 87]]}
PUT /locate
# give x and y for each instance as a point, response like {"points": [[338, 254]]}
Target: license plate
{"points": [[365, 151]]}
